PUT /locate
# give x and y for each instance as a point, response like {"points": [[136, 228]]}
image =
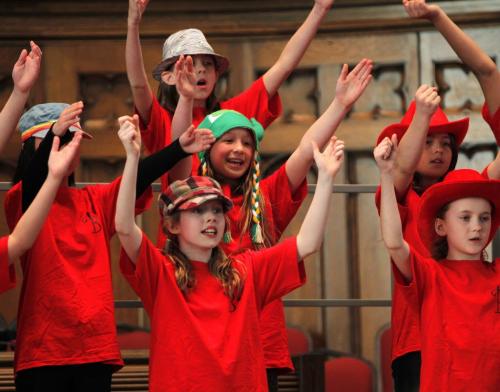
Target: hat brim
{"points": [[193, 202], [41, 134], [456, 128], [221, 64], [441, 194]]}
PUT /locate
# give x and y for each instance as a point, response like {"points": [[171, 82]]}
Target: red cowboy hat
{"points": [[457, 184], [439, 124]]}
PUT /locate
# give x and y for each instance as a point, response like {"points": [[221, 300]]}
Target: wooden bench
{"points": [[134, 375]]}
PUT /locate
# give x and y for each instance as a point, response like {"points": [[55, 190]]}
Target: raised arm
{"points": [[28, 227], [349, 88], [141, 91], [312, 229], [129, 233], [24, 74], [412, 143], [295, 48], [469, 51], [390, 221]]}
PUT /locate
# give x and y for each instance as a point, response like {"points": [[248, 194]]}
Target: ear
{"points": [[440, 227], [168, 77], [173, 227]]}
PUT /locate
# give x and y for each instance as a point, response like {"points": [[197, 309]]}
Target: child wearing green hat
{"points": [[263, 208]]}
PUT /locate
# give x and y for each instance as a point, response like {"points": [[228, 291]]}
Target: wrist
{"points": [[23, 93], [436, 14], [321, 9], [340, 106]]}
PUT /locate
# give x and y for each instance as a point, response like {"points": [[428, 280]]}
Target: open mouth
{"points": [[437, 161], [210, 231], [201, 83], [235, 161]]}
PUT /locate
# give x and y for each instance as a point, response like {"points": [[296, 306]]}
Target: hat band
{"points": [[40, 128]]}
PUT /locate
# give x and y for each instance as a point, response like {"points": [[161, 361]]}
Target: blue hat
{"points": [[38, 119]]}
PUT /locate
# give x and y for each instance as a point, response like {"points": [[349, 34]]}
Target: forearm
{"points": [[10, 114], [494, 168], [129, 233], [183, 116], [312, 229], [473, 56], [136, 73], [390, 223], [321, 131], [30, 224], [157, 164], [294, 50]]}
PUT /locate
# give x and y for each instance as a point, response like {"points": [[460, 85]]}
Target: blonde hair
{"points": [[219, 266], [253, 221]]}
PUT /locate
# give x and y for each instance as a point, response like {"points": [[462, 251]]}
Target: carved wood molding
{"points": [[56, 19]]}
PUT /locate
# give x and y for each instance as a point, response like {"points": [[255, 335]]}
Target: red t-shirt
{"points": [[281, 205], [253, 102], [66, 309], [459, 311], [197, 343], [493, 121], [7, 272]]}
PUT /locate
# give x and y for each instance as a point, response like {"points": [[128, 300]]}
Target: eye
{"points": [[465, 218], [485, 218], [428, 142], [217, 210]]}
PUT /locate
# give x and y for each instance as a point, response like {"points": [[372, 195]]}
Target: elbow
{"points": [[122, 229], [306, 249], [487, 70]]}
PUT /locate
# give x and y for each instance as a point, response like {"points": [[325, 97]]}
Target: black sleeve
{"points": [[157, 164], [36, 171]]}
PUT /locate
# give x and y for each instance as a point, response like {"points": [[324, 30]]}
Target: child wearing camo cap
{"points": [[66, 332], [260, 100], [204, 305]]}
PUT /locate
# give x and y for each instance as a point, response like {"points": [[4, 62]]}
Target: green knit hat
{"points": [[224, 120], [220, 122]]}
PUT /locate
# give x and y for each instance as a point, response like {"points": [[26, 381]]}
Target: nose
{"points": [[198, 66], [238, 146], [437, 147], [210, 216]]}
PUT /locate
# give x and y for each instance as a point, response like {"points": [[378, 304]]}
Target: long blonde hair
{"points": [[219, 265]]}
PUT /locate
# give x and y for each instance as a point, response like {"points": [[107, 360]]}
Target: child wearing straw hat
{"points": [[260, 101], [204, 305], [455, 290]]}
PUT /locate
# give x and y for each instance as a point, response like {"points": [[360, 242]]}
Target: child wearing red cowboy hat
{"points": [[483, 67], [204, 306], [260, 100], [455, 292], [428, 149]]}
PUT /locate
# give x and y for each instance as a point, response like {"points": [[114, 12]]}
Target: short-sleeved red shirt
{"points": [[281, 205], [197, 342], [493, 121], [459, 312], [7, 271], [66, 309], [253, 102]]}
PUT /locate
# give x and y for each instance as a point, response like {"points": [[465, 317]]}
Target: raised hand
{"points": [[27, 68], [427, 100], [69, 116], [185, 76], [327, 4], [385, 154], [350, 85], [62, 161], [130, 134], [135, 10], [420, 9], [194, 140], [330, 160]]}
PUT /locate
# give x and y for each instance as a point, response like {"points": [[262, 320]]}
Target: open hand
{"points": [[185, 76], [195, 140], [69, 116], [62, 162], [129, 134], [330, 160], [350, 85], [27, 68]]}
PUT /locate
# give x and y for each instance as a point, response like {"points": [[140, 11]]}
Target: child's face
{"points": [[206, 76], [233, 153], [467, 225], [436, 156], [200, 229]]}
